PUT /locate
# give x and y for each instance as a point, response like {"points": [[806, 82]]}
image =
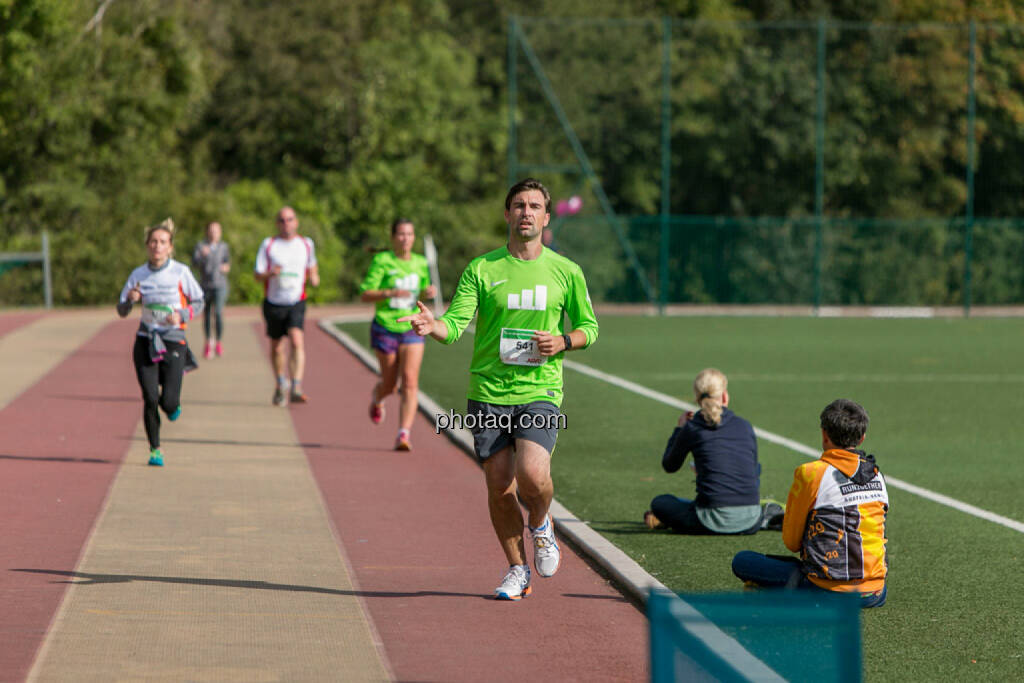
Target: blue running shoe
{"points": [[175, 415], [156, 458]]}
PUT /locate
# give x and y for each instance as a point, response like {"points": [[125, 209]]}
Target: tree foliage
{"points": [[744, 105], [116, 114]]}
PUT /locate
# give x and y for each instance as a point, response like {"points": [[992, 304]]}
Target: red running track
{"points": [[414, 527], [61, 443], [416, 531], [12, 321]]}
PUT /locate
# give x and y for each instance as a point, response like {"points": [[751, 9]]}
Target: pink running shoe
{"points": [[376, 409], [219, 349], [208, 353]]}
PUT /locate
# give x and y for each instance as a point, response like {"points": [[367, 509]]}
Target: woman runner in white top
{"points": [[170, 297]]}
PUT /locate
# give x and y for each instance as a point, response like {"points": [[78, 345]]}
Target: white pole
{"points": [[47, 282], [430, 251]]}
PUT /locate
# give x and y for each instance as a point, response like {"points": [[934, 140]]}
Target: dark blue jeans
{"points": [[680, 515], [783, 571]]}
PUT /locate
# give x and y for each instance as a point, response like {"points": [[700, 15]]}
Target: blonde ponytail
{"points": [[708, 388], [166, 224]]}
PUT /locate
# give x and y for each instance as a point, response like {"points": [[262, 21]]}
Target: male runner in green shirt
{"points": [[520, 293]]}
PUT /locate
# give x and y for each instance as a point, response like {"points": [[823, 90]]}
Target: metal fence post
{"points": [[969, 208], [819, 167], [47, 280], [666, 160], [513, 97]]}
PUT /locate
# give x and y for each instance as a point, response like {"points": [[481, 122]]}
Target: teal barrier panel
{"points": [[755, 636]]}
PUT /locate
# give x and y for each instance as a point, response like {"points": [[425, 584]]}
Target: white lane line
{"points": [[796, 446], [887, 378]]}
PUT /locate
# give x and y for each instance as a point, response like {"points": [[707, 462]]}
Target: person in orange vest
{"points": [[835, 518]]}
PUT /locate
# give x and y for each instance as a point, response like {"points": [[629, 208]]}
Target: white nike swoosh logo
{"points": [[495, 284]]}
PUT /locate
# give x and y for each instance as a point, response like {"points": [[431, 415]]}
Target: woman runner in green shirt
{"points": [[395, 281]]}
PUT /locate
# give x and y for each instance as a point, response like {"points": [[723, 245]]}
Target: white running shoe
{"points": [[515, 585], [546, 554]]}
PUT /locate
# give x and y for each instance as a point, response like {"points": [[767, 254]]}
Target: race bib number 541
{"points": [[518, 348]]}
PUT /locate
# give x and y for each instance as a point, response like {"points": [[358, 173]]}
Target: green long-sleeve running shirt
{"points": [[387, 271], [514, 298]]}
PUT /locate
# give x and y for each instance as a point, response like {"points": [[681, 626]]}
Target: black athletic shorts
{"points": [[495, 427], [281, 318]]}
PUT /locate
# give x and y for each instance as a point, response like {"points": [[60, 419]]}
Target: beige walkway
{"points": [[221, 566]]}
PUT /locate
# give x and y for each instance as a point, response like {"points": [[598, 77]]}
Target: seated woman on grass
{"points": [[725, 458]]}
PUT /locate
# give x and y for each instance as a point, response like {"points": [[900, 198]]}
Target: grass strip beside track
{"points": [[950, 615]]}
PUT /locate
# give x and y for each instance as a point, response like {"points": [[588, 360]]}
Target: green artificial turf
{"points": [[946, 399]]}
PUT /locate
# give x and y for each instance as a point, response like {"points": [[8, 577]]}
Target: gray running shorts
{"points": [[495, 427]]}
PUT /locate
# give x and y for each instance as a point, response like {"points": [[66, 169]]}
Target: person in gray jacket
{"points": [[213, 260]]}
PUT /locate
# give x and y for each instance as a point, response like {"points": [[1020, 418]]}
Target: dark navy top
{"points": [[724, 455]]}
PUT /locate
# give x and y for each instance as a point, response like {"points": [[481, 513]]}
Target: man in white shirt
{"points": [[284, 264]]}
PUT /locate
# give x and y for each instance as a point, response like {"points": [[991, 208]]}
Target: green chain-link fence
{"points": [[818, 162]]}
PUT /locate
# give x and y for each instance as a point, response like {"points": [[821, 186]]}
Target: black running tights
{"points": [[152, 376]]}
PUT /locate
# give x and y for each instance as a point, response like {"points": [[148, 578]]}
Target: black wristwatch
{"points": [[568, 341]]}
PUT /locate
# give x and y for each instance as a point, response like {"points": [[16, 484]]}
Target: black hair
{"points": [[528, 184], [845, 422], [398, 221]]}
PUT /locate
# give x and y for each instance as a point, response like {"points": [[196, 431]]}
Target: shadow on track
{"points": [[264, 444], [90, 399], [86, 579], [54, 458]]}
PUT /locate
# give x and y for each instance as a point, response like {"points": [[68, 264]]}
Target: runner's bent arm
{"points": [[312, 267], [799, 503], [448, 328], [194, 293], [263, 270], [461, 310], [124, 303], [679, 446], [581, 313], [372, 295], [370, 290]]}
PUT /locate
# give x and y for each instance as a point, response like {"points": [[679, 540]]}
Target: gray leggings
{"points": [[215, 299]]}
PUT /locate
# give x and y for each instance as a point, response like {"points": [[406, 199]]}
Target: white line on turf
{"points": [[796, 446], [924, 378]]}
